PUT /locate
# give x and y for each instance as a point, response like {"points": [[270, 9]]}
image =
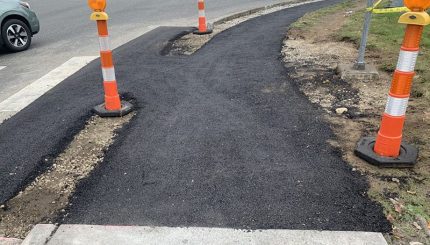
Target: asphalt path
{"points": [[209, 148], [209, 145], [66, 31]]}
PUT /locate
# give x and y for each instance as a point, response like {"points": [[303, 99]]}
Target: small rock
{"points": [[3, 207], [348, 13], [341, 110], [390, 218], [424, 224], [354, 169], [395, 180], [417, 226], [398, 208]]}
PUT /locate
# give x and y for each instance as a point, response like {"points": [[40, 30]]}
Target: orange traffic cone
{"points": [[203, 25], [113, 107], [388, 150]]}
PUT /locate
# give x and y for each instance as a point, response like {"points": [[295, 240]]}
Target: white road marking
{"points": [[30, 93], [2, 67], [134, 235]]}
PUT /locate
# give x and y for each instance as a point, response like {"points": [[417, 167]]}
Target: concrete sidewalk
{"points": [[114, 235]]}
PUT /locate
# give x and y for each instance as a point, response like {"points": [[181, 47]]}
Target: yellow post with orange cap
{"points": [[113, 107], [388, 150]]}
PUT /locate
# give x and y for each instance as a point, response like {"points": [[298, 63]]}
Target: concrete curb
{"points": [[256, 10], [134, 235], [40, 234]]}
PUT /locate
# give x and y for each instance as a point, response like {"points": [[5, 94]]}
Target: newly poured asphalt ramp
{"points": [[221, 139]]}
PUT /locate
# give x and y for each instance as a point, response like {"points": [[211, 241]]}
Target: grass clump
{"points": [[385, 39]]}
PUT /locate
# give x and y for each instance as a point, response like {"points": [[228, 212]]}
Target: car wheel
{"points": [[16, 35]]}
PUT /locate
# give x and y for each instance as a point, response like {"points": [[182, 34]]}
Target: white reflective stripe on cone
{"points": [[104, 43], [108, 74], [407, 61], [201, 13], [396, 106]]}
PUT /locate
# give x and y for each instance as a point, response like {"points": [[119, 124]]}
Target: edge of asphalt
{"points": [[110, 235]]}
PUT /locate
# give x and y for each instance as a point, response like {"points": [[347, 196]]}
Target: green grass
{"points": [[312, 18], [385, 39], [384, 43]]}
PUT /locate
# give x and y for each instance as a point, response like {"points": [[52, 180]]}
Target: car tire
{"points": [[16, 35]]}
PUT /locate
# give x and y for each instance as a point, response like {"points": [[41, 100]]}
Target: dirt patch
{"points": [[190, 43], [312, 55], [48, 195]]}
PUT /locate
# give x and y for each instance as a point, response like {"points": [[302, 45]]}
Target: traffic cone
{"points": [[388, 150], [113, 107], [204, 27]]}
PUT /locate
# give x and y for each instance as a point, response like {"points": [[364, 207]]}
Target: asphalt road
{"points": [[67, 31]]}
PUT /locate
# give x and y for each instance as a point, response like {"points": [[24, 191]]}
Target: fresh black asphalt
{"points": [[210, 145]]}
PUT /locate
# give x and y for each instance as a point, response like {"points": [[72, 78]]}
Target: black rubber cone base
{"points": [[126, 108], [208, 31], [407, 159]]}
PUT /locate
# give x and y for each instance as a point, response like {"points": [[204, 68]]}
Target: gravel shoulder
{"points": [[47, 197]]}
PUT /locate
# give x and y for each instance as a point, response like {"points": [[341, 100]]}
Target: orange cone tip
{"points": [[97, 5]]}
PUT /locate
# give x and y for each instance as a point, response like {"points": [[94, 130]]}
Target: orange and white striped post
{"points": [[113, 107], [387, 149], [203, 25]]}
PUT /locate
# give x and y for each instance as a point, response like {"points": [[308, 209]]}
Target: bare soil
{"points": [[312, 57], [48, 195]]}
